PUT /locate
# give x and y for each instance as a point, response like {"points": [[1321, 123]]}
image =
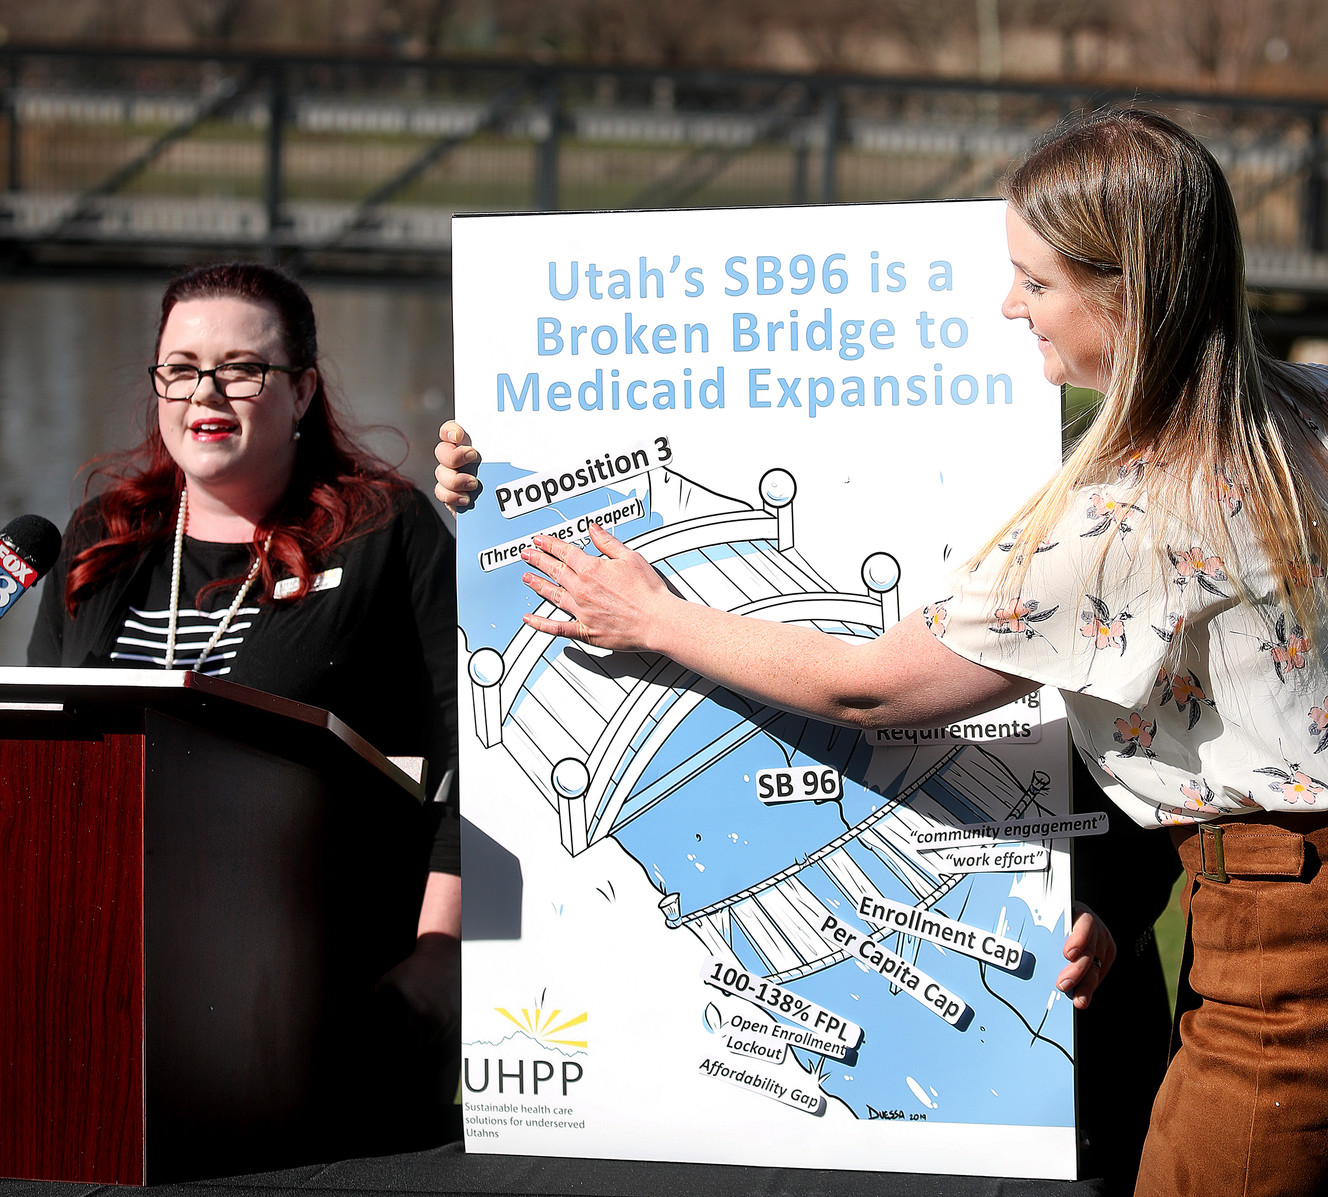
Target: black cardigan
{"points": [[378, 650]]}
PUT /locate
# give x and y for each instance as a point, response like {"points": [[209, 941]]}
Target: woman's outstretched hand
{"points": [[456, 463], [614, 600], [1091, 951]]}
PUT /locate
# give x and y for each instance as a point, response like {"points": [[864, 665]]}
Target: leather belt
{"points": [[1270, 845]]}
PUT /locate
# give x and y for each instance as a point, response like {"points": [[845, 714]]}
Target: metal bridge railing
{"points": [[359, 162]]}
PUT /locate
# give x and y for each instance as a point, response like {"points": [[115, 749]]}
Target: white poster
{"points": [[698, 928]]}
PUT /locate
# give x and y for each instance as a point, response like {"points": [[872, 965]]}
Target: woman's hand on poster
{"points": [[1091, 951], [612, 599], [457, 459]]}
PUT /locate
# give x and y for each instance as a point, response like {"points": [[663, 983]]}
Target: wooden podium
{"points": [[200, 885]]}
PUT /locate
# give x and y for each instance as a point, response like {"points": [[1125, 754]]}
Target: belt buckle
{"points": [[1217, 871]]}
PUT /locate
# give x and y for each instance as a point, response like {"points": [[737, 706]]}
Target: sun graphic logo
{"points": [[548, 1029]]}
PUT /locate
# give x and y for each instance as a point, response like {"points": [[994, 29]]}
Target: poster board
{"points": [[698, 928]]}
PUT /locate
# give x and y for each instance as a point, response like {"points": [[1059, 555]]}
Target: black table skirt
{"points": [[449, 1170]]}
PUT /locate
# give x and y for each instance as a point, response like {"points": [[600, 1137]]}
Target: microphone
{"points": [[29, 546]]}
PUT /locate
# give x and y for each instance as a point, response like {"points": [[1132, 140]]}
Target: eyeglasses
{"points": [[235, 380]]}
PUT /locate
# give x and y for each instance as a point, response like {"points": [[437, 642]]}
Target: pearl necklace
{"points": [[175, 594]]}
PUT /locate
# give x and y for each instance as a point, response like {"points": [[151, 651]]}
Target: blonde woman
{"points": [[1168, 581]]}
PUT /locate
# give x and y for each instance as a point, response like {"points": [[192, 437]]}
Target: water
{"points": [[73, 383]]}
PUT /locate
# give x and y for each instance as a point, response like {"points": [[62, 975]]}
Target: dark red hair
{"points": [[339, 488]]}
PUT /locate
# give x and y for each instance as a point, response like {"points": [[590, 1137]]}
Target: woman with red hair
{"points": [[247, 536]]}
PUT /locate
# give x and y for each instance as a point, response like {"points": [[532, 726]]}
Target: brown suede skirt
{"points": [[1244, 1106]]}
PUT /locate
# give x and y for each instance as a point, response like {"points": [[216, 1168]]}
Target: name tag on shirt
{"points": [[328, 579]]}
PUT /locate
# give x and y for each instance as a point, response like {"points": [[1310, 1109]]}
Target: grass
{"points": [[1170, 933], [1079, 408]]}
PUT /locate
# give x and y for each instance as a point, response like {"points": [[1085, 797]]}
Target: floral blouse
{"points": [[1188, 704]]}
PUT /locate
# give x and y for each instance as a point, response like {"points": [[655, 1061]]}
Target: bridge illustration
{"points": [[778, 918], [589, 728], [584, 726]]}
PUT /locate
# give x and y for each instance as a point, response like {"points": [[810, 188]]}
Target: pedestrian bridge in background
{"points": [[356, 165]]}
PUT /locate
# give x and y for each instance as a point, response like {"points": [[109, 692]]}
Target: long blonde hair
{"points": [[1146, 226]]}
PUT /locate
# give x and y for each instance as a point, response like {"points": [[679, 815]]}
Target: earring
{"points": [[295, 431]]}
